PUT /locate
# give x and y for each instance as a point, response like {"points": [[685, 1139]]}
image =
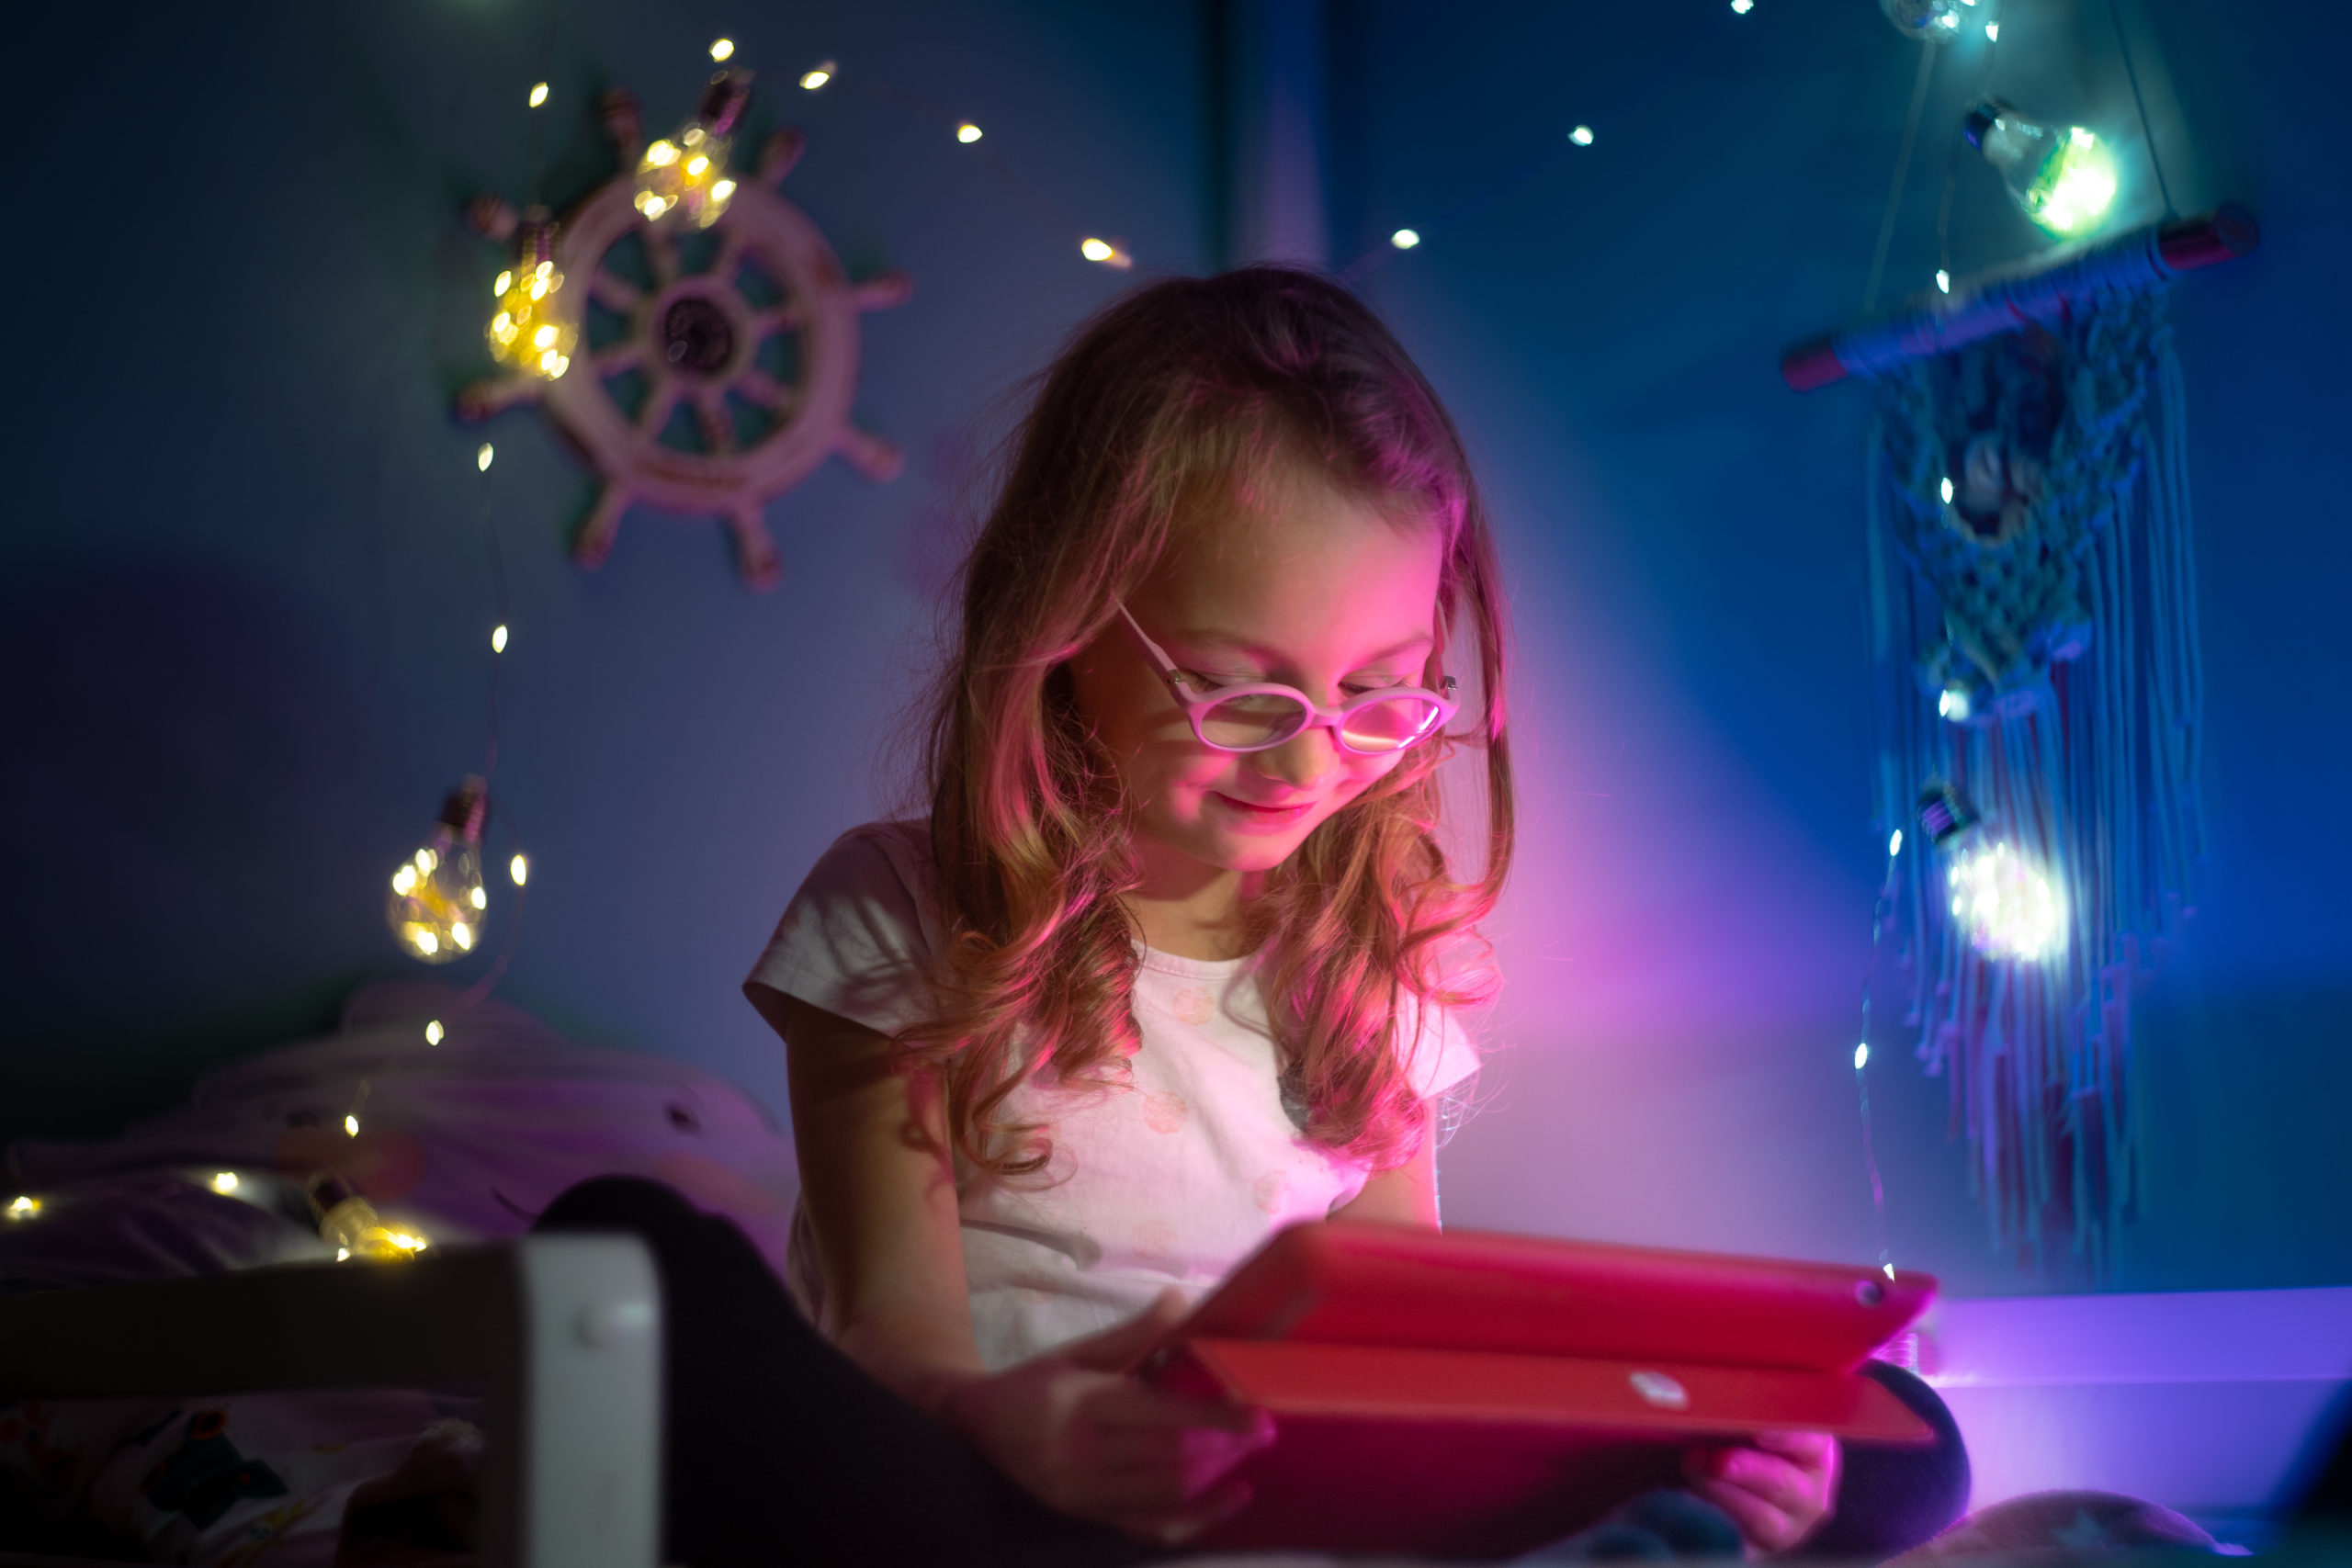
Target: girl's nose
{"points": [[1302, 761]]}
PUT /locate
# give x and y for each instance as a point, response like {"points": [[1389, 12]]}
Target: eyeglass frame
{"points": [[1317, 716]]}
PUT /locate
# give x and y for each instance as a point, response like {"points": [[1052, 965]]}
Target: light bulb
{"points": [[1862, 1055], [1105, 252], [224, 1181], [967, 133], [1581, 136], [533, 329], [1405, 238], [350, 1224], [519, 869], [721, 48], [498, 638], [1743, 6], [2062, 176], [682, 178], [438, 897], [2007, 905], [434, 1033], [538, 93], [812, 80], [23, 1207], [1944, 281]]}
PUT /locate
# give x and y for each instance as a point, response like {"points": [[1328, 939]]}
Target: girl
{"points": [[1173, 963]]}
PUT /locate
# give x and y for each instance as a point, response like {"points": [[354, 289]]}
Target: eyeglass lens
{"points": [[1264, 718]]}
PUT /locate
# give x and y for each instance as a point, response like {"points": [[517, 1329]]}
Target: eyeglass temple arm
{"points": [[1165, 665]]}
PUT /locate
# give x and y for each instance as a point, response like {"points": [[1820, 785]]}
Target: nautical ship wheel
{"points": [[717, 366]]}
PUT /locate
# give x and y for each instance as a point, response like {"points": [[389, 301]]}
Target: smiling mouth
{"points": [[1263, 812]]}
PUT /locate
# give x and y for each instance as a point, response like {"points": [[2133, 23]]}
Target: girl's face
{"points": [[1308, 587]]}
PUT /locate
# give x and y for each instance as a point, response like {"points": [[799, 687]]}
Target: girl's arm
{"points": [[1406, 1194], [879, 1188]]}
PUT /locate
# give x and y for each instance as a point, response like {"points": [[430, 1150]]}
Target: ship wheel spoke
{"points": [[729, 259], [775, 319], [614, 359], [718, 424], [661, 255], [660, 400], [759, 387], [615, 292]]}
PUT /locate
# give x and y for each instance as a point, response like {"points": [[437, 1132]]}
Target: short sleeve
{"points": [[858, 938], [1438, 1056]]}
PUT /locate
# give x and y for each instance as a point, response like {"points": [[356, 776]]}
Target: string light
{"points": [[1993, 32], [1946, 489], [351, 1126], [967, 133], [1879, 920], [433, 1031], [538, 93], [532, 331], [2063, 177], [1741, 8], [722, 49], [224, 1181], [351, 1222], [1895, 843], [436, 901], [519, 869], [1952, 702], [1862, 1055], [1405, 238], [24, 1207], [1581, 136], [813, 80], [684, 177], [483, 456], [1944, 281], [498, 638]]}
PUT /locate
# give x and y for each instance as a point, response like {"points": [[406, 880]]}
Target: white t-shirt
{"points": [[1170, 1176]]}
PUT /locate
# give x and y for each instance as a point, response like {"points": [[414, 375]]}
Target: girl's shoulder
{"points": [[857, 936]]}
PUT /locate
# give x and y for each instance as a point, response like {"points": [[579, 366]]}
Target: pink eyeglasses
{"points": [[1262, 716]]}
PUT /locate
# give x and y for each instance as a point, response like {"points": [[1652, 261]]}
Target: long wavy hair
{"points": [[1178, 398]]}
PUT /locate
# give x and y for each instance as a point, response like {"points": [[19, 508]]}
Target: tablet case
{"points": [[1474, 1394]]}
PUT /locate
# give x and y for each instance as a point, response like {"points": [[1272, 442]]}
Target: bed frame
{"points": [[562, 1334]]}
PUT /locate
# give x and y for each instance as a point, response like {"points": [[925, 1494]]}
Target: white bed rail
{"points": [[562, 1334]]}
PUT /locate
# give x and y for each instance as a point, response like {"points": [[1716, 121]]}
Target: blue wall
{"points": [[245, 601]]}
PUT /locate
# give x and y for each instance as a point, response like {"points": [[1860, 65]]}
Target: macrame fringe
{"points": [[2091, 766]]}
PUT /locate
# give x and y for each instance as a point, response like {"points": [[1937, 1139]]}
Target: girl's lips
{"points": [[1251, 813]]}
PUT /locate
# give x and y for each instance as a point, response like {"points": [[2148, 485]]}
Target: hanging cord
{"points": [[2147, 133], [1879, 921], [1952, 159], [1902, 168]]}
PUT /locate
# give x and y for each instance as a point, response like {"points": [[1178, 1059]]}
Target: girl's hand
{"points": [[1083, 1435], [1779, 1491]]}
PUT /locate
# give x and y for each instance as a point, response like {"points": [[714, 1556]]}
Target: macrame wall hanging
{"points": [[2033, 630]]}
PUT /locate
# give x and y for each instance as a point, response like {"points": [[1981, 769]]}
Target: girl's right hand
{"points": [[1081, 1433]]}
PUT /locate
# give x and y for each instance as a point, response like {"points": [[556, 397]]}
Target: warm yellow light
{"points": [[482, 456], [654, 206], [462, 934], [404, 879], [1094, 250], [530, 324], [498, 639], [433, 1036], [723, 190], [692, 136], [661, 154], [538, 93], [519, 869], [505, 281], [818, 77], [426, 943], [224, 1181], [696, 167], [543, 338], [351, 1126], [24, 1208], [538, 289], [967, 132], [1581, 136], [342, 1255], [426, 860], [477, 898], [722, 47]]}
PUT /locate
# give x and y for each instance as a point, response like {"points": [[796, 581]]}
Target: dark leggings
{"points": [[779, 1447]]}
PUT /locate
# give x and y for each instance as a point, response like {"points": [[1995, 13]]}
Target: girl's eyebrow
{"points": [[1226, 641]]}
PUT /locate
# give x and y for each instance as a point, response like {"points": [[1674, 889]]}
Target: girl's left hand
{"points": [[1778, 1491]]}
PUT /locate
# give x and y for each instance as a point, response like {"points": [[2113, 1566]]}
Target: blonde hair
{"points": [[1176, 399]]}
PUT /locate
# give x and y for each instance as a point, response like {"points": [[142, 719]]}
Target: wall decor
{"points": [[711, 363], [2039, 697]]}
